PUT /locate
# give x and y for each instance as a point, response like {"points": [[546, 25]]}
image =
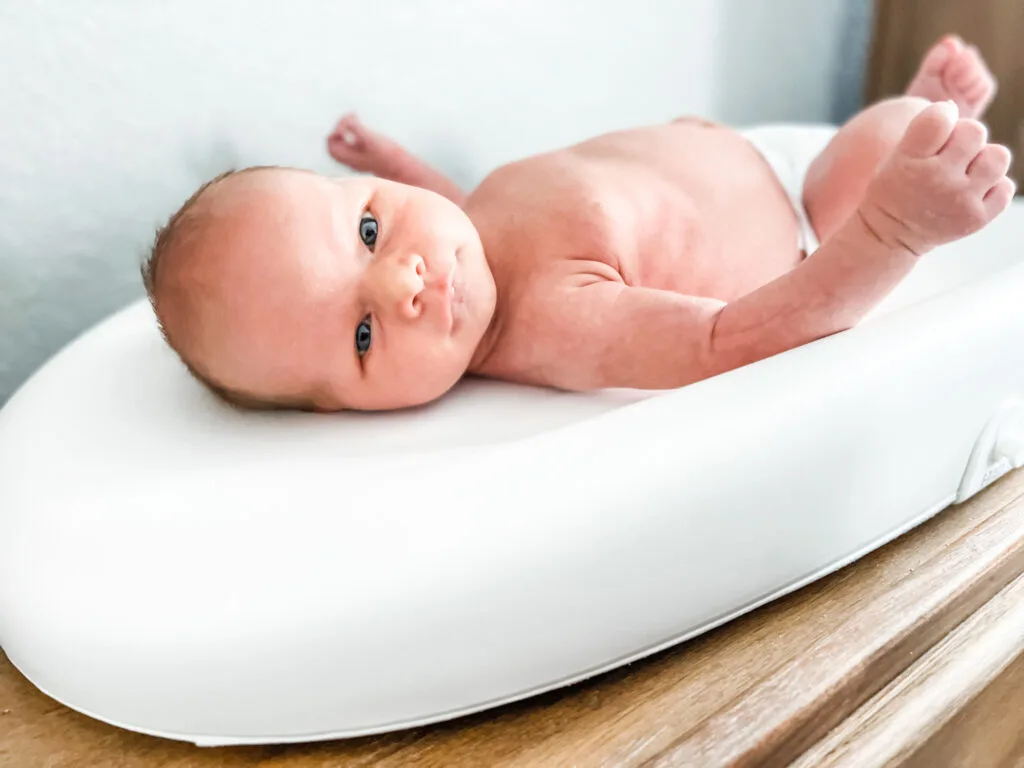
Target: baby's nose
{"points": [[404, 283]]}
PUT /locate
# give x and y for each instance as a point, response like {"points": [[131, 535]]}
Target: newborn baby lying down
{"points": [[647, 258]]}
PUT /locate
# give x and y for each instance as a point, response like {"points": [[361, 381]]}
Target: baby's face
{"points": [[343, 293]]}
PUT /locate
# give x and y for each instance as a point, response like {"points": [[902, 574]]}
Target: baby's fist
{"points": [[352, 144], [943, 181]]}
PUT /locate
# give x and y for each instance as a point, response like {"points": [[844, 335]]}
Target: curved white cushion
{"points": [[173, 566]]}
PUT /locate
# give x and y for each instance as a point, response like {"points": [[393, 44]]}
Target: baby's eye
{"points": [[368, 230], [363, 336]]}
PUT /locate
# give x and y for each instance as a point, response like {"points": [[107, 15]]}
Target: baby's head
{"points": [[281, 288]]}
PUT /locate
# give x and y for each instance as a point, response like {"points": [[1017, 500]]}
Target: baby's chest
{"points": [[659, 228], [645, 227], [649, 222]]}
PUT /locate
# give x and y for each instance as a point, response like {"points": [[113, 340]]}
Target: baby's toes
{"points": [[978, 65], [965, 142], [963, 72], [989, 165], [969, 81], [984, 85], [978, 91]]}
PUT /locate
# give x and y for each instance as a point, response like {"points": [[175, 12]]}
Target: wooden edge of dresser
{"points": [[914, 710], [777, 720]]}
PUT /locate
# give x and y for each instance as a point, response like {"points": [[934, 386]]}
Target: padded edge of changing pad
{"points": [[272, 593]]}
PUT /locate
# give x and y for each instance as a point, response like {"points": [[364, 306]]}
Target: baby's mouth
{"points": [[453, 297]]}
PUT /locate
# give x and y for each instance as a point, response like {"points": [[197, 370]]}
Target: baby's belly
{"points": [[740, 229]]}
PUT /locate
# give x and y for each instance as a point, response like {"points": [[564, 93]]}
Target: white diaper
{"points": [[789, 150]]}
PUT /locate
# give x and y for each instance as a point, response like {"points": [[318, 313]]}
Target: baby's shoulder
{"points": [[558, 179], [544, 208], [535, 342]]}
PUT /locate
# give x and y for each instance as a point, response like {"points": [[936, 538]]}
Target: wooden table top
{"points": [[762, 690]]}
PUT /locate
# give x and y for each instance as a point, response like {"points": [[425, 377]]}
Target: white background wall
{"points": [[113, 111]]}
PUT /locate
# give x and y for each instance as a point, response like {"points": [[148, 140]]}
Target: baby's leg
{"points": [[836, 180]]}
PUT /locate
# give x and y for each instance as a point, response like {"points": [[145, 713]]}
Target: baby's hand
{"points": [[353, 144], [943, 182]]}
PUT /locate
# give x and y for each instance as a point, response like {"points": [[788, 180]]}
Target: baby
{"points": [[647, 258]]}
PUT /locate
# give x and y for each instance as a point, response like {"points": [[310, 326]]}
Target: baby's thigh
{"points": [[838, 177]]}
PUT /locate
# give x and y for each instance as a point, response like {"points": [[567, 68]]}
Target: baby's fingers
{"points": [[998, 198], [349, 130], [990, 165]]}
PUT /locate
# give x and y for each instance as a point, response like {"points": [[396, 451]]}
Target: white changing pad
{"points": [[175, 567]]}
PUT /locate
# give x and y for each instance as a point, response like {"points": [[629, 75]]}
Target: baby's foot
{"points": [[353, 144], [942, 182], [952, 70]]}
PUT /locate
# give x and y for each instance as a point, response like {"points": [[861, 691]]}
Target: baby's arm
{"points": [[622, 336], [353, 144], [941, 183]]}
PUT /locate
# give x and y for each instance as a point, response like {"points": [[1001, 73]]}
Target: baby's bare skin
{"points": [[656, 257], [620, 239], [649, 258]]}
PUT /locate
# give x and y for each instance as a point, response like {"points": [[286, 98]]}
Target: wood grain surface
{"points": [[941, 710], [759, 691]]}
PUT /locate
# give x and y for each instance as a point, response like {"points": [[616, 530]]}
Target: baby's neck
{"points": [[484, 351], [489, 342]]}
